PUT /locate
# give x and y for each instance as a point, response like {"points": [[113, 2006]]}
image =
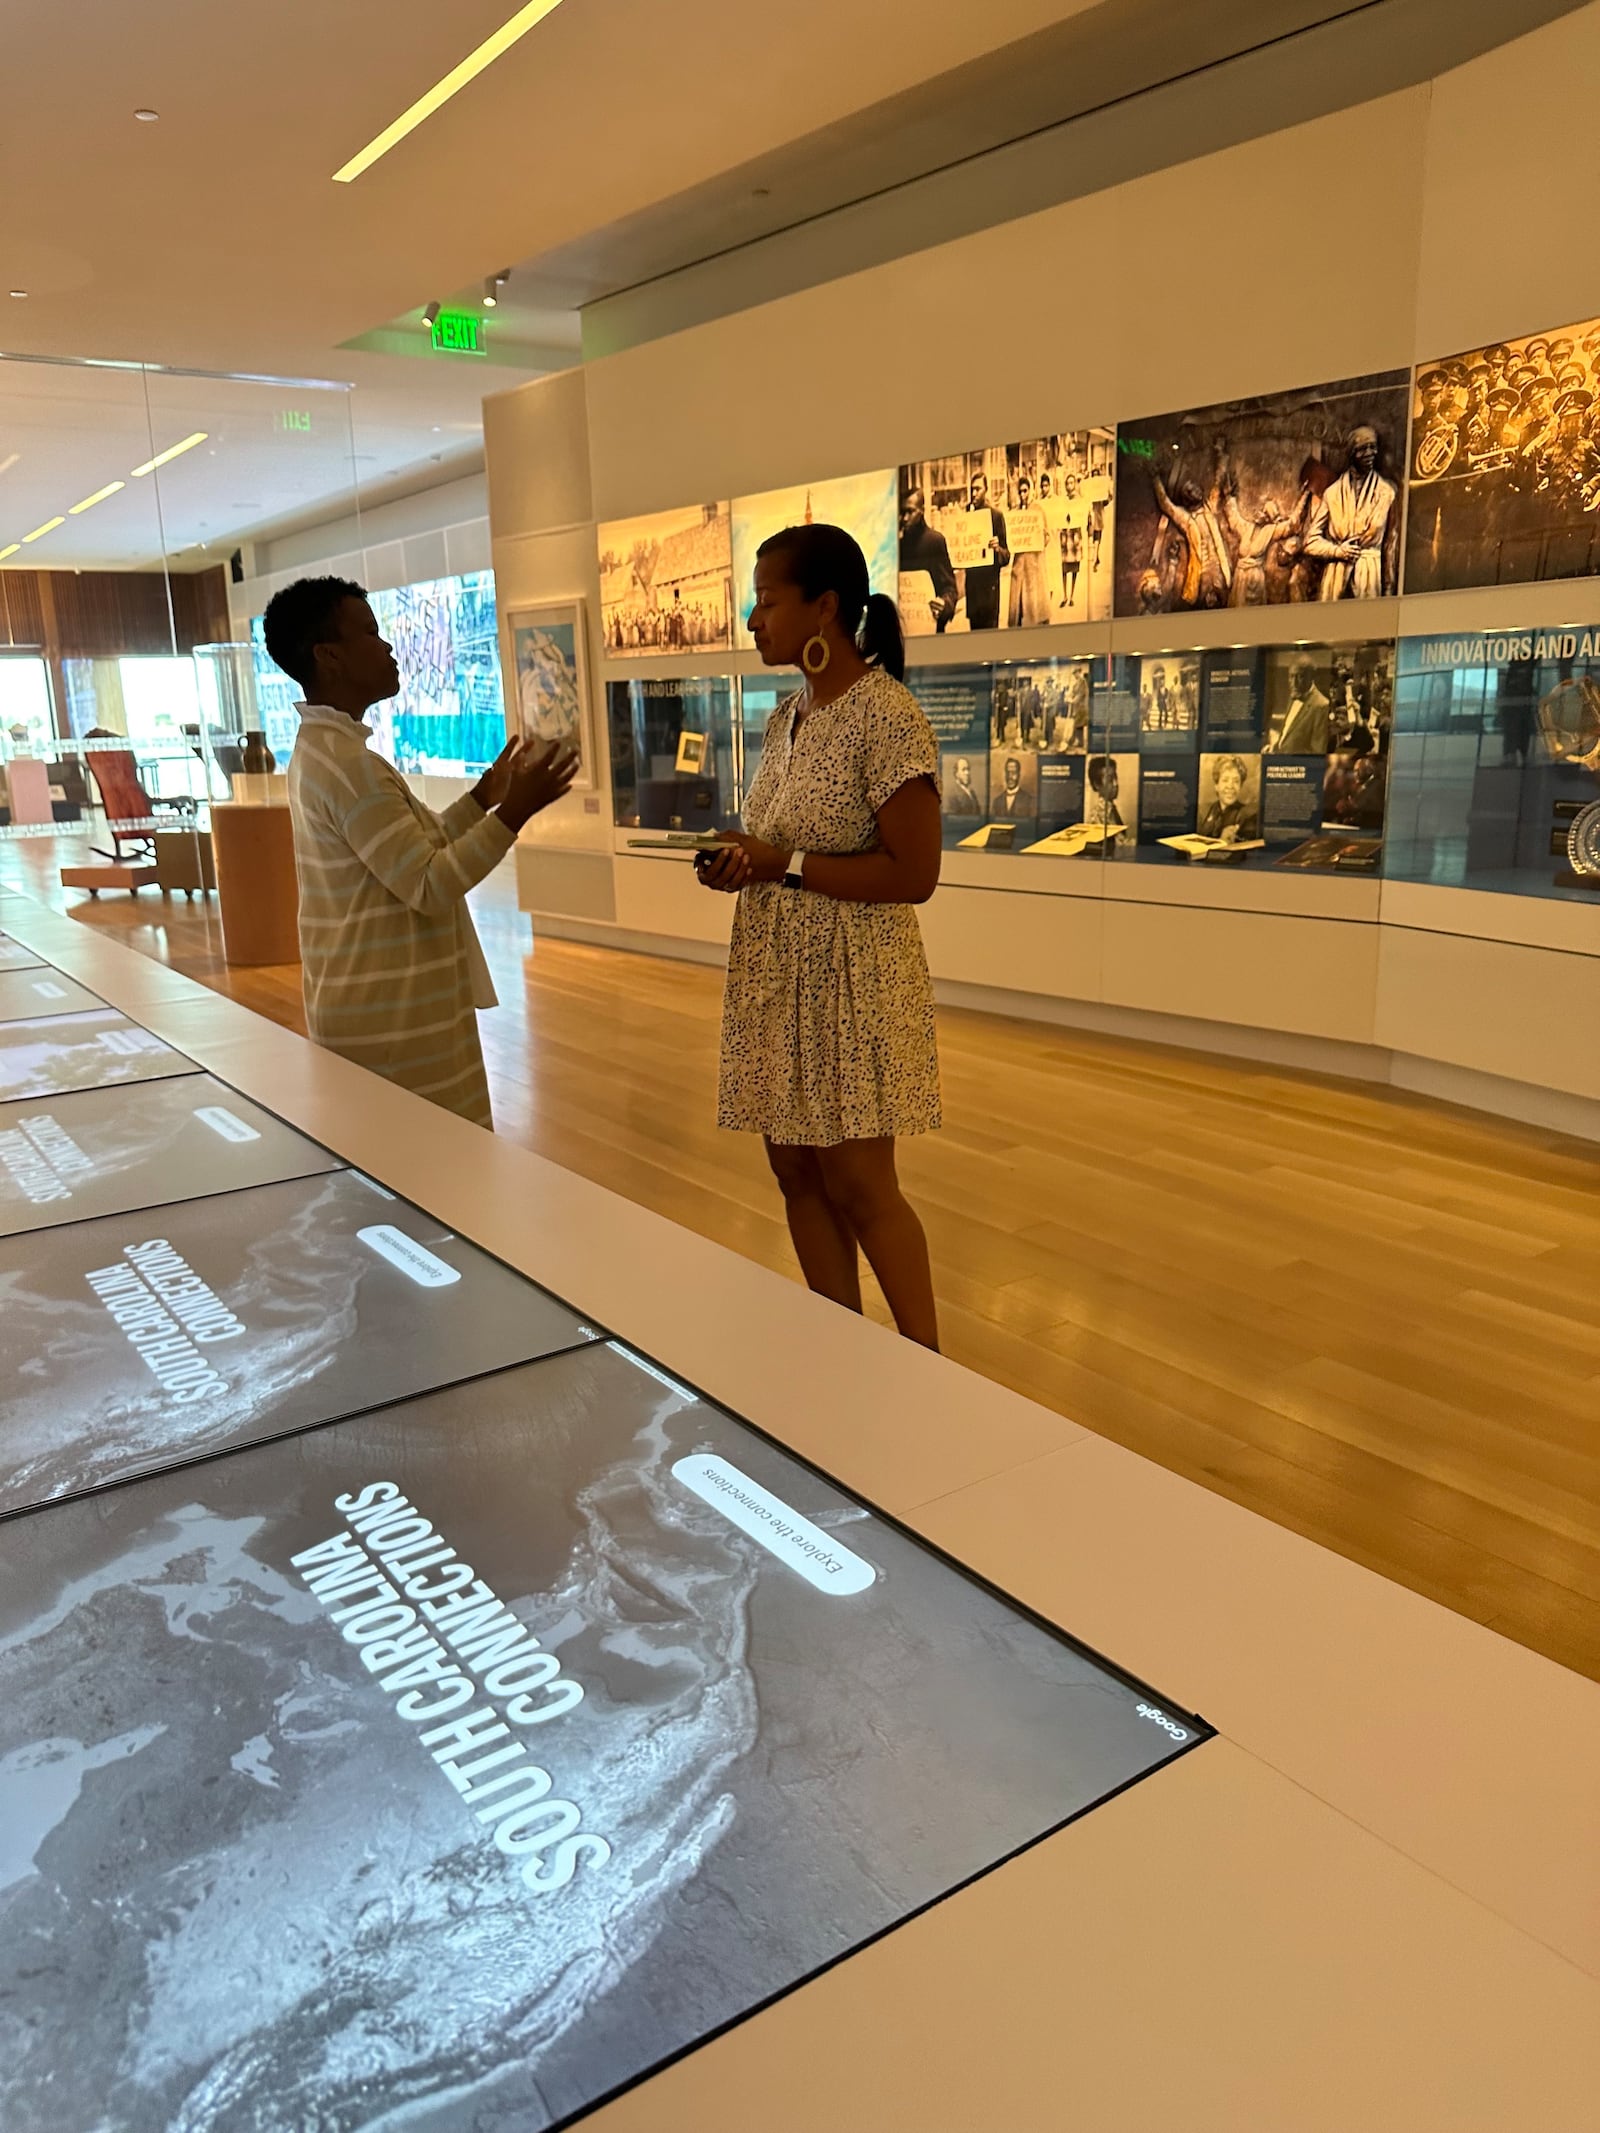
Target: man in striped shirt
{"points": [[391, 966]]}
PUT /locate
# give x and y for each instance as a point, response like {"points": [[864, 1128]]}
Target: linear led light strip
{"points": [[186, 444], [525, 19]]}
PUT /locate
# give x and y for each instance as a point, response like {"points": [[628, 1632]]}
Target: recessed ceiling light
{"points": [[428, 103], [98, 497], [187, 444], [39, 532], [19, 292], [4, 552], [148, 118]]}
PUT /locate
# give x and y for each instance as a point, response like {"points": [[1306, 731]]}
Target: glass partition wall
{"points": [[131, 502]]}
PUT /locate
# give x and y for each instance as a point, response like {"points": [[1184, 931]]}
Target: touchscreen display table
{"points": [[141, 1339], [107, 1151], [13, 956], [53, 1053], [26, 994], [455, 1766]]}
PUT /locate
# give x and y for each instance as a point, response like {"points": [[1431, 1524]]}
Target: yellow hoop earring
{"points": [[818, 643]]}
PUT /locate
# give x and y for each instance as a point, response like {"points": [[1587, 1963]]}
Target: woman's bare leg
{"points": [[822, 1239], [865, 1191]]}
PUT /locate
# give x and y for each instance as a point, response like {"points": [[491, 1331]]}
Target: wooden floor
{"points": [[1371, 1318]]}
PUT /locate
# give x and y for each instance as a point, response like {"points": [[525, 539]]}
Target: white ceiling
{"points": [[619, 138], [216, 240]]}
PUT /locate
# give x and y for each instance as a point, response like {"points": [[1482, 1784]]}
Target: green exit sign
{"points": [[458, 333], [295, 419]]}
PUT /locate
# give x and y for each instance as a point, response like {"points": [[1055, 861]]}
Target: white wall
{"points": [[435, 532], [1422, 223]]}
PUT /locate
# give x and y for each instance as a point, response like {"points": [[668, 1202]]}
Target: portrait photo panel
{"points": [[1229, 803]]}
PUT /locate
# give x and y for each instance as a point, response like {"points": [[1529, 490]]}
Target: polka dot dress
{"points": [[828, 1022]]}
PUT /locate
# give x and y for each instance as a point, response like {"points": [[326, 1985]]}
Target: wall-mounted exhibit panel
{"points": [[863, 504], [1016, 536], [666, 583], [534, 1731], [54, 1053], [1294, 496], [27, 994], [109, 1151], [139, 1340], [1505, 463]]}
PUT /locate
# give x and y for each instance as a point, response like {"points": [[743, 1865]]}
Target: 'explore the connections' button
{"points": [[794, 1540], [413, 1259]]}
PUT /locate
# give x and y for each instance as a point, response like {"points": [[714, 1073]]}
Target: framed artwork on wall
{"points": [[548, 699]]}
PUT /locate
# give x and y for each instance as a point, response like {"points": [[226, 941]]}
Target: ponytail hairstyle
{"points": [[823, 559], [880, 637]]}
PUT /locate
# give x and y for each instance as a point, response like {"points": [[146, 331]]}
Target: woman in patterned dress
{"points": [[828, 1045]]}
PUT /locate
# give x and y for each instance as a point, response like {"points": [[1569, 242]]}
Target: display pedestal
{"points": [[109, 874], [256, 887], [184, 861], [28, 785]]}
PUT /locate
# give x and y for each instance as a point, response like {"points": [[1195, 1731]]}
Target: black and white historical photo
{"points": [[1015, 536]]}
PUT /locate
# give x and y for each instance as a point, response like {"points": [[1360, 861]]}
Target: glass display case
{"points": [[1255, 756], [1266, 756], [677, 753], [1496, 776]]}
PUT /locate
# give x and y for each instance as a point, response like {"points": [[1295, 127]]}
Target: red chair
{"points": [[130, 812]]}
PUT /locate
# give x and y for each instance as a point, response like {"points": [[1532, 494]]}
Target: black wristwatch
{"points": [[794, 873]]}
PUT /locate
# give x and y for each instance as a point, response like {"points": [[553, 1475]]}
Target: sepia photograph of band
{"points": [[1042, 706], [1294, 497], [1015, 536], [666, 582], [1505, 463], [1327, 699]]}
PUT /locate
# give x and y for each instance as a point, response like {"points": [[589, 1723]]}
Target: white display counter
{"points": [[1370, 1903]]}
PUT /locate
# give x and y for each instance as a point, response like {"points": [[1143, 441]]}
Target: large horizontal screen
{"points": [[142, 1339], [107, 1151], [54, 1053], [13, 956], [453, 1767], [25, 994]]}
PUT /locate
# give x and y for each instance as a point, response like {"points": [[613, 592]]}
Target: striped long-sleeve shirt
{"points": [[392, 970]]}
